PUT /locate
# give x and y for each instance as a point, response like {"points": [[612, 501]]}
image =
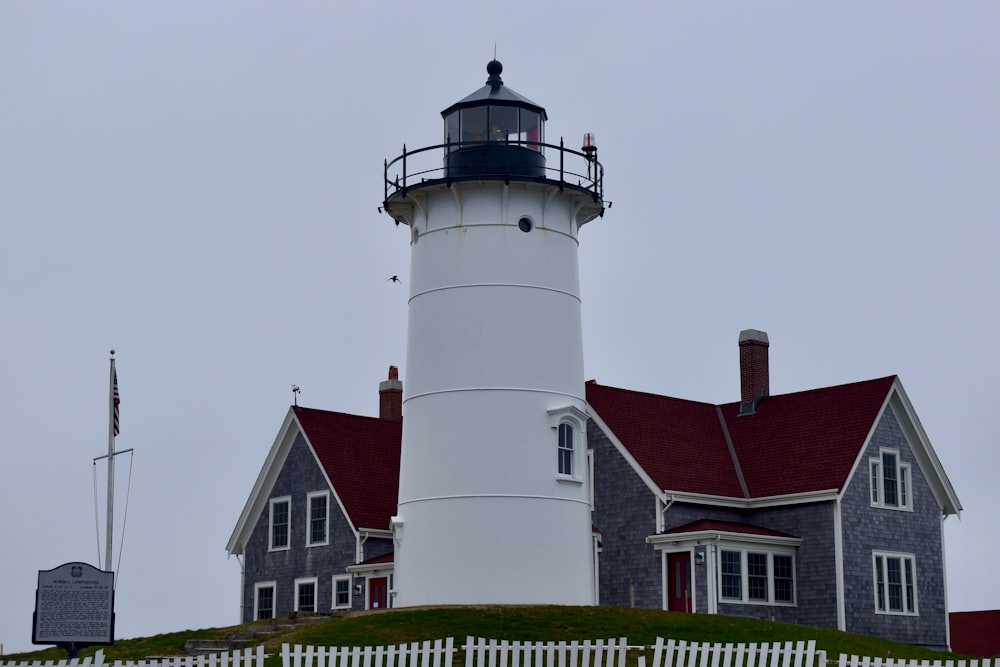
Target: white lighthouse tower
{"points": [[494, 490]]}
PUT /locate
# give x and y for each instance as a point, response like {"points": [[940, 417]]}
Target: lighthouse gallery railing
{"points": [[424, 167]]}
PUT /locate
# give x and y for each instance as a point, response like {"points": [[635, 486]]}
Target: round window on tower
{"points": [[525, 224]]}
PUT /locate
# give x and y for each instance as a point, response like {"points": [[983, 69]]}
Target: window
{"points": [[318, 504], [569, 424], [757, 577], [280, 527], [342, 592], [565, 449], [305, 595], [895, 583], [890, 480], [732, 577], [784, 590], [264, 601]]}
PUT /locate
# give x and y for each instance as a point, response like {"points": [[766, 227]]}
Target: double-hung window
{"points": [[895, 583], [565, 449], [569, 424], [263, 601], [305, 594], [280, 523], [318, 506], [342, 592], [890, 481], [756, 577]]}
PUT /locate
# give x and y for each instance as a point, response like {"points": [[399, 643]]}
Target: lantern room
{"points": [[494, 132]]}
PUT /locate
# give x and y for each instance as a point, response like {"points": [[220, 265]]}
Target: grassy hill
{"points": [[641, 626]]}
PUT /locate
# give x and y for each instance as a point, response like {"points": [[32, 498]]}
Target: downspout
{"points": [[243, 586], [711, 571], [944, 581], [838, 559], [664, 573]]}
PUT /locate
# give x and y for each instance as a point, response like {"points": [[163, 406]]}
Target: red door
{"points": [[378, 593], [679, 581]]}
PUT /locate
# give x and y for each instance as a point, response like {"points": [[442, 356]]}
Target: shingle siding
{"points": [[919, 532], [299, 476], [625, 513]]}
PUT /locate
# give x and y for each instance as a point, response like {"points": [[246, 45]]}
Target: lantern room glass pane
{"points": [[474, 124], [503, 123], [451, 129], [531, 128]]}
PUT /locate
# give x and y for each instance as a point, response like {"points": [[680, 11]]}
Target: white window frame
{"points": [[306, 581], [350, 593], [270, 524], [904, 481], [744, 598], [576, 420], [257, 587], [325, 495], [910, 604]]}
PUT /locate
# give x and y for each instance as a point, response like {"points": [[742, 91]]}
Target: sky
{"points": [[196, 186]]}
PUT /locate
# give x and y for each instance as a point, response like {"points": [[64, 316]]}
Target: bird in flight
{"points": [[394, 279]]}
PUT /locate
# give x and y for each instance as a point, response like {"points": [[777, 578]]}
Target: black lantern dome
{"points": [[494, 132]]}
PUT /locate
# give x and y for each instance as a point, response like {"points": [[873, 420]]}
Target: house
{"points": [[976, 633], [822, 507]]}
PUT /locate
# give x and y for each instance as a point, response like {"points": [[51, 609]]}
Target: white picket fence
{"points": [[437, 653], [672, 653], [481, 652], [864, 661], [248, 657]]}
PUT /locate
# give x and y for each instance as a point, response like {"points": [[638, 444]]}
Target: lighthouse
{"points": [[494, 499]]}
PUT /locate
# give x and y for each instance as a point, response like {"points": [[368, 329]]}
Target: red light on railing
{"points": [[589, 142]]}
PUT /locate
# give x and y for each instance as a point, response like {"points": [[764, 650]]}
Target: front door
{"points": [[679, 581], [378, 593]]}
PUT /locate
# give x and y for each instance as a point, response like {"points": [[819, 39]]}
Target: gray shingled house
{"points": [[822, 507]]}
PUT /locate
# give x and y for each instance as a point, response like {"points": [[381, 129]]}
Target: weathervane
{"points": [[295, 394]]}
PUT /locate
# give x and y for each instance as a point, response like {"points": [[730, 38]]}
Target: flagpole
{"points": [[112, 381]]}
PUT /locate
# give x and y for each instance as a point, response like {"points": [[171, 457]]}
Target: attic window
{"points": [[890, 481], [280, 526]]}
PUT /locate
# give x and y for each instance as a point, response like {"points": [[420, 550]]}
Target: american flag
{"points": [[116, 400]]}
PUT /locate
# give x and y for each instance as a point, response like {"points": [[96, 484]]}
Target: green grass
{"points": [[527, 623]]}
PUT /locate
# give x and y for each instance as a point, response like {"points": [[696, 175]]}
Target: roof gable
{"points": [[806, 441], [360, 456], [798, 443]]}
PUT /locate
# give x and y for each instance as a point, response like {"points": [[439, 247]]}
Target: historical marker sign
{"points": [[74, 606]]}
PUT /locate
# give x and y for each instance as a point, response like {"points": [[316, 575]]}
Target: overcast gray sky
{"points": [[195, 184]]}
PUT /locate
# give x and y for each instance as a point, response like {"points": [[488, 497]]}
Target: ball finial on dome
{"points": [[494, 68]]}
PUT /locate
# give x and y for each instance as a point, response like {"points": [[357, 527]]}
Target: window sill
{"points": [[895, 508], [566, 479], [759, 603]]}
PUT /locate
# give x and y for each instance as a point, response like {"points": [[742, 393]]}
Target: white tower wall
{"points": [[494, 362]]}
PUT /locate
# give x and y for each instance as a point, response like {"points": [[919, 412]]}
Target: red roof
{"points": [[975, 633], [361, 457], [678, 443], [793, 443]]}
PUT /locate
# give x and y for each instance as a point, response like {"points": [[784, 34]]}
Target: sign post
{"points": [[74, 607]]}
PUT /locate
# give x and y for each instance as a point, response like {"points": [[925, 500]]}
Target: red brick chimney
{"points": [[390, 397], [754, 381]]}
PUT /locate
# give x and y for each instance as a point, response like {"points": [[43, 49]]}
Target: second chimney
{"points": [[390, 397], [754, 380]]}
